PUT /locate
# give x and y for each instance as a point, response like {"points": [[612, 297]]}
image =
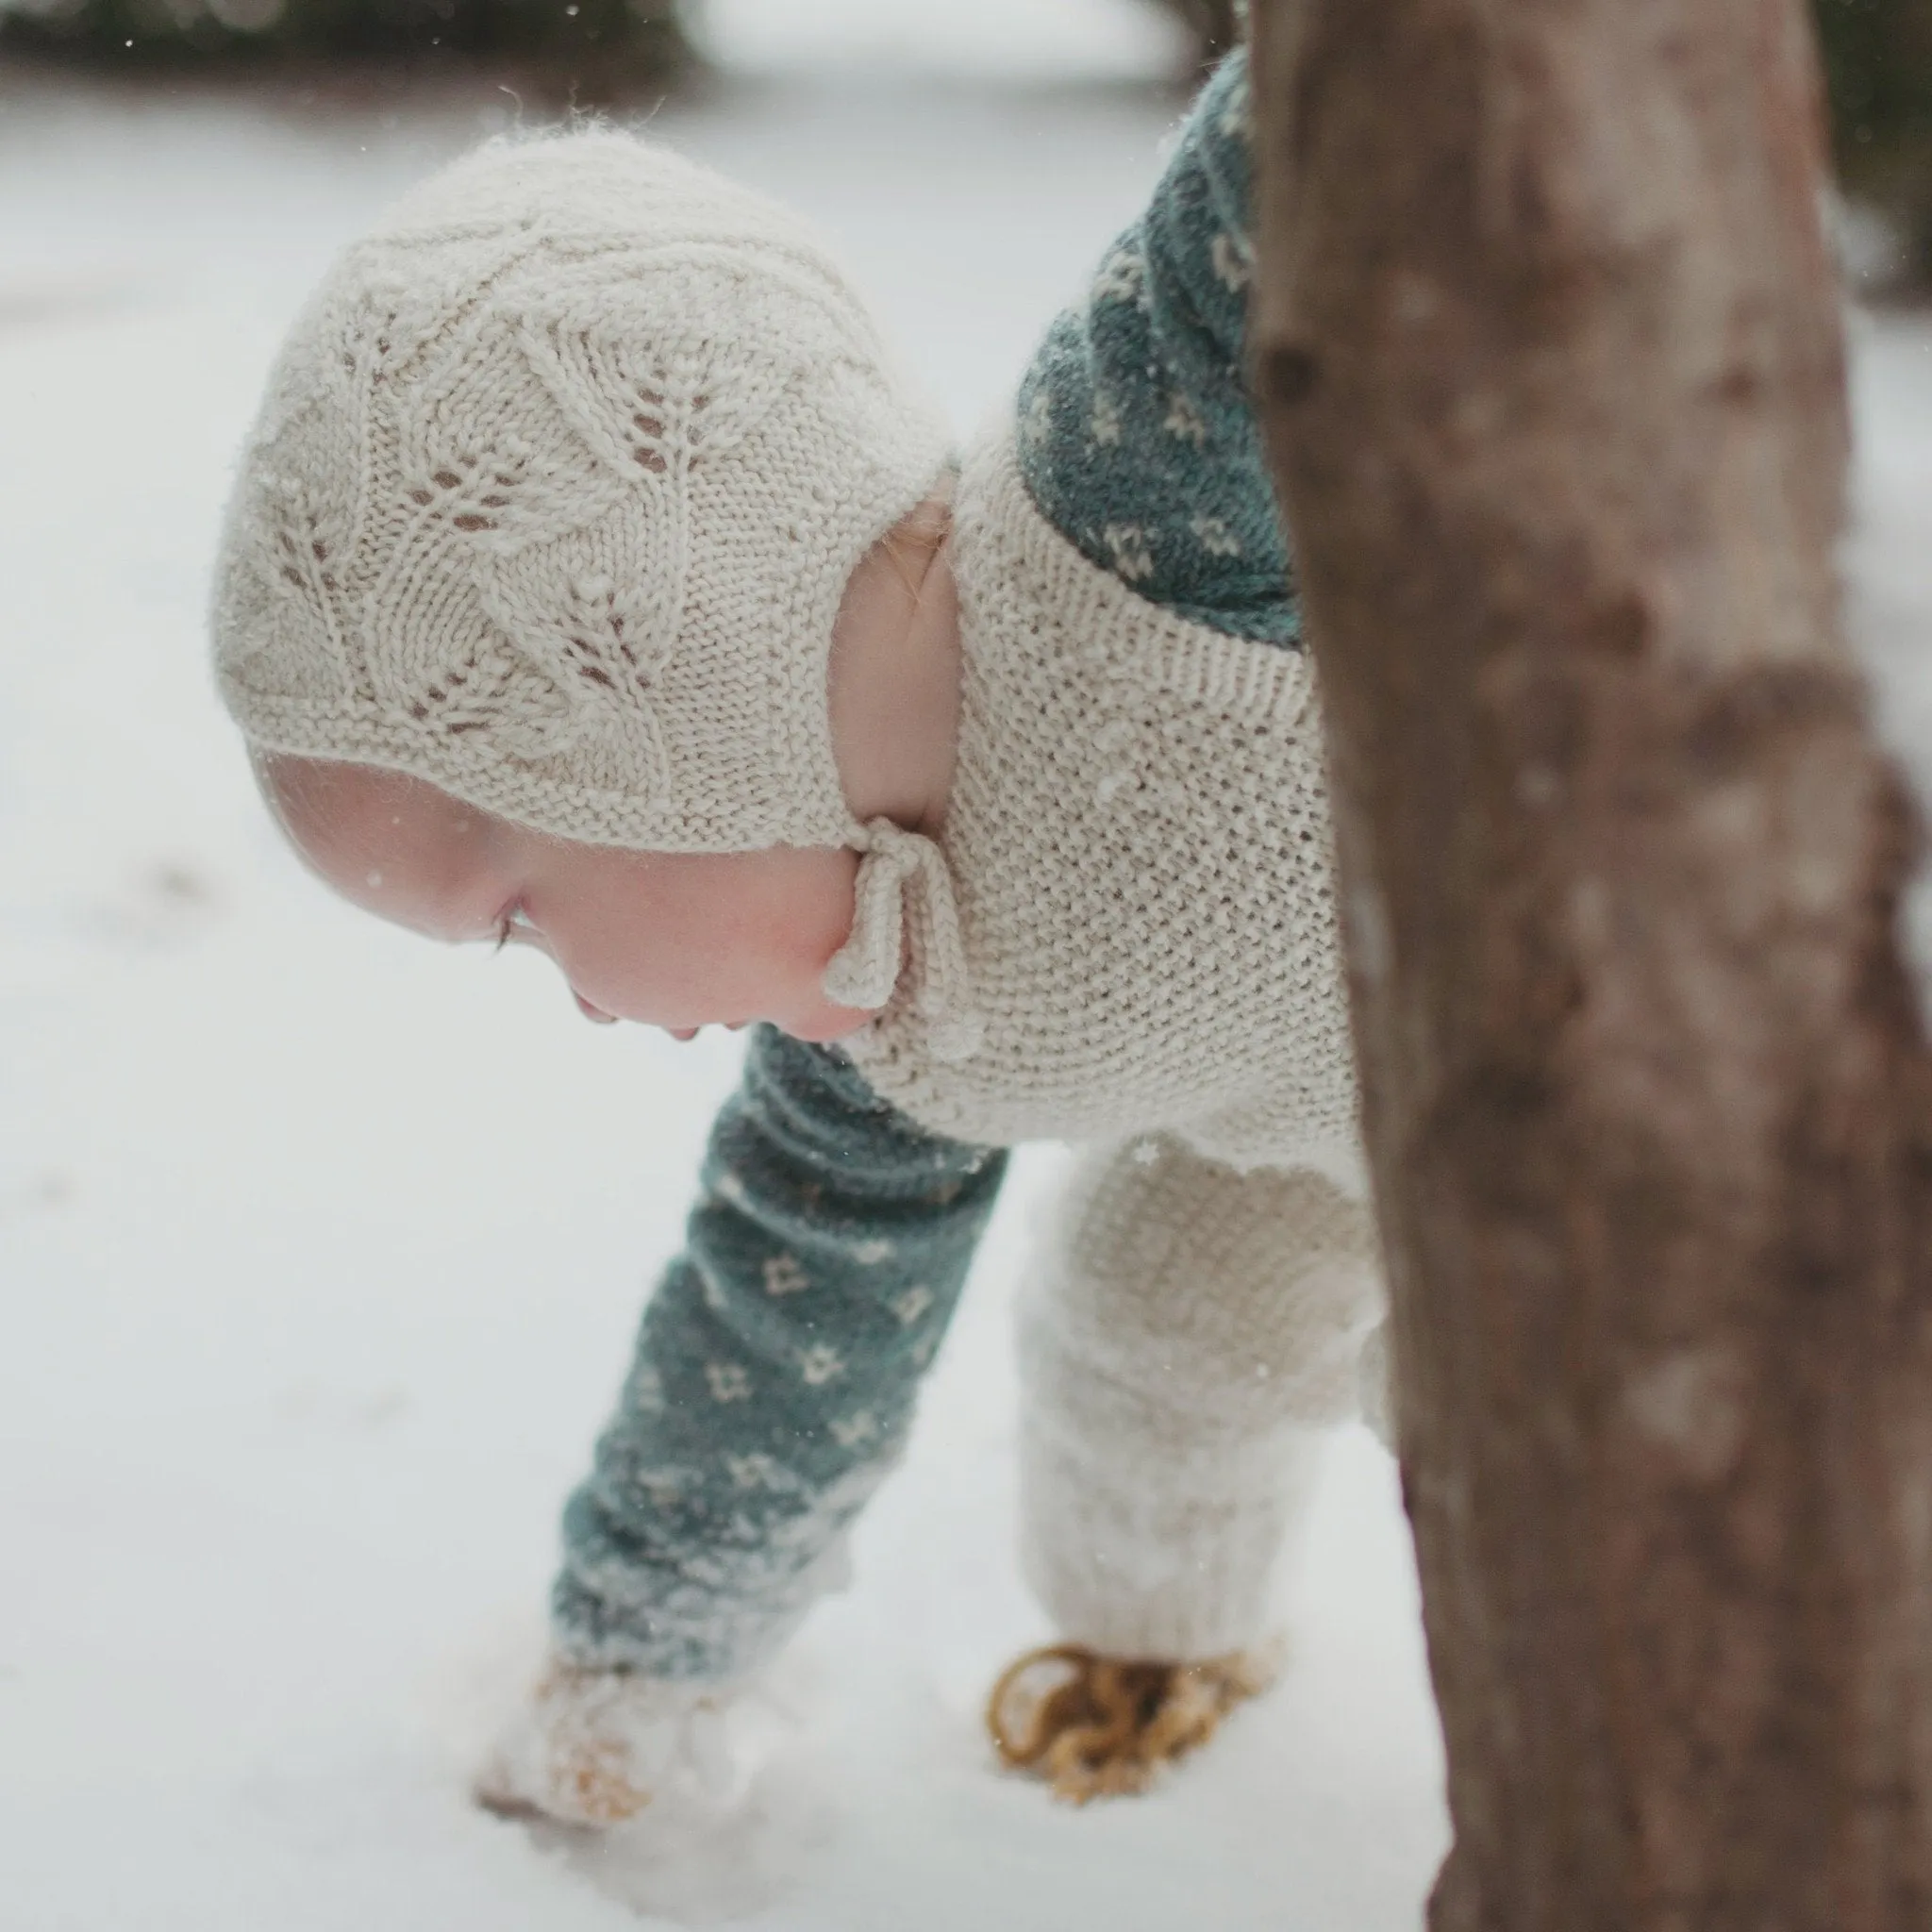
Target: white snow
{"points": [[320, 1248]]}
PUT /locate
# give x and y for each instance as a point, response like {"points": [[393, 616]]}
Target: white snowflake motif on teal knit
{"points": [[855, 1431], [1183, 420], [1036, 419], [758, 1471], [1214, 536], [784, 1276], [1229, 260], [644, 1390], [1129, 544], [912, 1304], [730, 1381], [1122, 278], [820, 1365], [665, 1486]]}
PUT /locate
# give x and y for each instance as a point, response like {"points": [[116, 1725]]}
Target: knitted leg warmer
{"points": [[1189, 1334]]}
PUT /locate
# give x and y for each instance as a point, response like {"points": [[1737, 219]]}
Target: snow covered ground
{"points": [[320, 1248]]}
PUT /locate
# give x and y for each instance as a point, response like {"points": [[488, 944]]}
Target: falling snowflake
{"points": [[783, 1275], [1104, 425]]}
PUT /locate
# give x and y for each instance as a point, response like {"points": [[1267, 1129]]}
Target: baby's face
{"points": [[673, 939]]}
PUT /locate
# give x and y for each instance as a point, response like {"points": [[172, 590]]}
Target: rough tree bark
{"points": [[1548, 340]]}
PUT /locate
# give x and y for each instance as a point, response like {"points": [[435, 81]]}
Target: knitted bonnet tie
{"points": [[903, 872]]}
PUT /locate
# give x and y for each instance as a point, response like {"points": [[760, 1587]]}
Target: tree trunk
{"points": [[1548, 343]]}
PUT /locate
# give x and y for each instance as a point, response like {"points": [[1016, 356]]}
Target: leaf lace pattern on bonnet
{"points": [[554, 497]]}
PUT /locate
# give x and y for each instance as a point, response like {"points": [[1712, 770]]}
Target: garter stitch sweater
{"points": [[1139, 839]]}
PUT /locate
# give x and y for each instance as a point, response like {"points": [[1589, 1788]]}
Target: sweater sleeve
{"points": [[774, 1374], [1137, 433]]}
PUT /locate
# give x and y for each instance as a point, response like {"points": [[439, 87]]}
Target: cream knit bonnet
{"points": [[552, 501]]}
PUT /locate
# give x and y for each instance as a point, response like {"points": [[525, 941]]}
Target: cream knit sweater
{"points": [[1139, 849]]}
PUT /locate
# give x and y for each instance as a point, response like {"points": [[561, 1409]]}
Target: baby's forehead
{"points": [[330, 807]]}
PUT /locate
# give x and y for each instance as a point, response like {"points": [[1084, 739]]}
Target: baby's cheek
{"points": [[790, 939], [819, 920]]}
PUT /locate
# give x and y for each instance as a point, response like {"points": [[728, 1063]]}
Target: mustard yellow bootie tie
{"points": [[1096, 1726]]}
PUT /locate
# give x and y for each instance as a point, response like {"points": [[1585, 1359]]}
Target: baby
{"points": [[596, 582]]}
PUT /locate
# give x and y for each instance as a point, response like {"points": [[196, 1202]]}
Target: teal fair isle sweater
{"points": [[779, 1359]]}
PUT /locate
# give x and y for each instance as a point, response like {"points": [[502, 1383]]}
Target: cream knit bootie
{"points": [[592, 1748]]}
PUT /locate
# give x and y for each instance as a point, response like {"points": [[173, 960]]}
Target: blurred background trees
{"points": [[1878, 69], [1879, 66], [1878, 59], [598, 48]]}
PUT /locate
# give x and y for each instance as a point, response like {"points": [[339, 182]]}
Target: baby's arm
{"points": [[1137, 435], [775, 1372], [772, 1389]]}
